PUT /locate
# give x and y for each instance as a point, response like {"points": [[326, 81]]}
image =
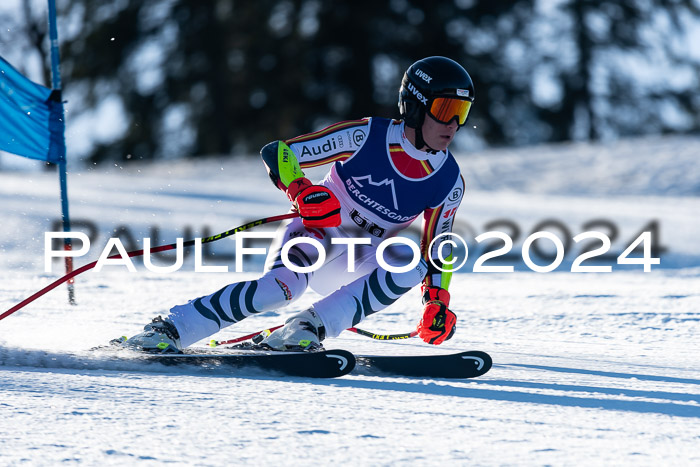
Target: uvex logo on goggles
{"points": [[444, 109]]}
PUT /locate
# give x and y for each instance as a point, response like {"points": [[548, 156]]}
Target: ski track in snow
{"points": [[588, 368]]}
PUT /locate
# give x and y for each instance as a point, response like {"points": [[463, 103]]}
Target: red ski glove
{"points": [[438, 323], [317, 205]]}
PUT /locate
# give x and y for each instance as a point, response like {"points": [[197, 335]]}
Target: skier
{"points": [[385, 174]]}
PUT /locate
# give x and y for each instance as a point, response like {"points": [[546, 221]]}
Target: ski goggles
{"points": [[444, 109]]}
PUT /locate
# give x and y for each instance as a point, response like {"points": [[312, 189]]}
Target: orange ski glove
{"points": [[317, 205], [438, 322]]}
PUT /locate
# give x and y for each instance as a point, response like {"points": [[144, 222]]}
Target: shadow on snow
{"points": [[483, 389]]}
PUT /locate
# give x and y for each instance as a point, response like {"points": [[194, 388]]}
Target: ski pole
{"points": [[131, 254], [361, 332], [383, 337], [214, 342]]}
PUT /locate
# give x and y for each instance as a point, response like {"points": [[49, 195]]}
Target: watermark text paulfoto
{"points": [[442, 247]]}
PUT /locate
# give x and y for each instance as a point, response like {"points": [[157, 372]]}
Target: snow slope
{"points": [[588, 368]]}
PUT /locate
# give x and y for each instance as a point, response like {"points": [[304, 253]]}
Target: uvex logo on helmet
{"points": [[417, 93], [423, 75]]}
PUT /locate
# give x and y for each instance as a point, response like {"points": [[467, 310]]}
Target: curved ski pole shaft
{"points": [[361, 332], [82, 269], [383, 337], [215, 343]]}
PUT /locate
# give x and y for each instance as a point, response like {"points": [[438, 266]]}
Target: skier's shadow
{"points": [[607, 374], [492, 389], [483, 388]]}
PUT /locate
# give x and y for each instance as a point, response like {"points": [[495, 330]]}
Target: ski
{"points": [[319, 364], [309, 364], [324, 363], [469, 364]]}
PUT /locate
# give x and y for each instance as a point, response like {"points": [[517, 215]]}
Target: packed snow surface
{"points": [[588, 367]]}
